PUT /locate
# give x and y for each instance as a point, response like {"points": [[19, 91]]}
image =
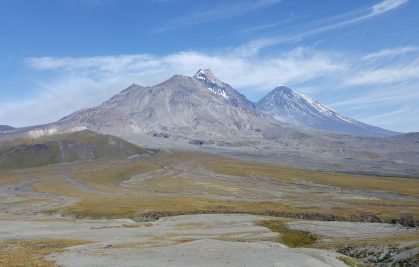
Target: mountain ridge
{"points": [[207, 78], [183, 113], [287, 105], [181, 105], [65, 147], [313, 116], [4, 128]]}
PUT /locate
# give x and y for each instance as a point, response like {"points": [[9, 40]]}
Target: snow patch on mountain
{"points": [[208, 79], [296, 108]]}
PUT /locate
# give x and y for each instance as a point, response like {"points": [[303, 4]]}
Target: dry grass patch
{"points": [[335, 243], [31, 253], [131, 206], [289, 237], [371, 154], [110, 176], [8, 177], [176, 184], [183, 240], [229, 166], [58, 187], [30, 201]]}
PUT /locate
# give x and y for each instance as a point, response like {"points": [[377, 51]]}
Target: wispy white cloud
{"points": [[385, 6], [91, 80], [379, 96], [392, 118], [93, 65], [391, 52], [386, 67], [57, 98], [388, 106], [297, 65], [385, 76], [324, 25], [225, 10]]}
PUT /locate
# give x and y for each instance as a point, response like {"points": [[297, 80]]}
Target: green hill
{"points": [[68, 147]]}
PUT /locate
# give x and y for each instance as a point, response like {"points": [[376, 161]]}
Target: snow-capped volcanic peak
{"points": [[208, 79], [292, 101], [293, 107]]}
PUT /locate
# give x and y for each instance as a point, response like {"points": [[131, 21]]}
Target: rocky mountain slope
{"points": [[189, 107], [212, 83], [184, 112], [76, 146], [204, 107], [290, 106], [4, 128]]}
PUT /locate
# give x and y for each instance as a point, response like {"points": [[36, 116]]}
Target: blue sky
{"points": [[360, 58]]}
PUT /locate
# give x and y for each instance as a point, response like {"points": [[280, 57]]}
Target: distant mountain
{"points": [[186, 112], [6, 128], [292, 107], [186, 107], [69, 147]]}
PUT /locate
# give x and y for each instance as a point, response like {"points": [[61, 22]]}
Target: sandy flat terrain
{"points": [[40, 205], [191, 240]]}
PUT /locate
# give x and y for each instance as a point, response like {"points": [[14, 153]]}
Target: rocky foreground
{"points": [[190, 240]]}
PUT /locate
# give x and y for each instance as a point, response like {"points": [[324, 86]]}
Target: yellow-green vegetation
{"points": [[351, 262], [133, 206], [10, 177], [68, 147], [179, 184], [123, 206], [289, 237], [109, 175], [385, 210], [30, 200], [186, 183], [371, 154], [31, 253], [236, 167], [183, 240], [175, 183], [338, 243]]}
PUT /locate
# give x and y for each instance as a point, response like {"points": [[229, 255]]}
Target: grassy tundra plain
{"points": [[170, 183], [175, 183]]}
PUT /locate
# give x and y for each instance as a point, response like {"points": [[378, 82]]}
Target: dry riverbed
{"points": [[189, 240], [127, 209]]}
